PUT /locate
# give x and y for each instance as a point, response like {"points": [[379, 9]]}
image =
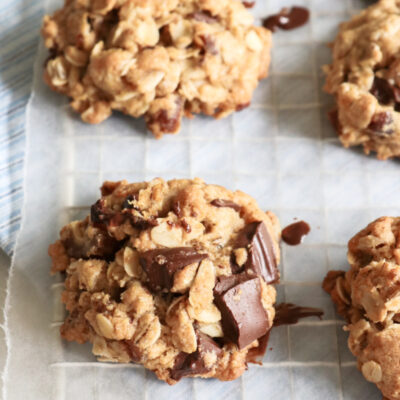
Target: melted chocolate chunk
{"points": [[99, 214], [193, 364], [101, 245], [382, 90], [226, 203], [161, 264], [256, 354], [287, 19], [244, 318], [382, 123], [261, 258], [289, 314], [293, 234]]}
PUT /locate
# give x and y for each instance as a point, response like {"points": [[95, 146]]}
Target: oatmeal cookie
{"points": [[364, 77], [176, 276], [159, 58], [368, 296]]}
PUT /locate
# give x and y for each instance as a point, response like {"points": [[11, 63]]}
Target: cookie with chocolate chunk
{"points": [[364, 78], [159, 58], [176, 276], [368, 297]]}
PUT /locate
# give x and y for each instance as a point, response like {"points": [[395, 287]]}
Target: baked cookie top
{"points": [[173, 275], [368, 296], [364, 78], [157, 58]]}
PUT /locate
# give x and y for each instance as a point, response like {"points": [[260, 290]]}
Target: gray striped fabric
{"points": [[19, 25]]}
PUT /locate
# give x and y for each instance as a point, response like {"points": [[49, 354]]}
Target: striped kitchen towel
{"points": [[19, 34]]}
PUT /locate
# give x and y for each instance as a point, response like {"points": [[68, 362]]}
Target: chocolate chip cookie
{"points": [[159, 58], [368, 296], [364, 78], [176, 276]]}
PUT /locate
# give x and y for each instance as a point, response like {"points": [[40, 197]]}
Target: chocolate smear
{"points": [[289, 314], [287, 19], [193, 364], [261, 258], [161, 264], [244, 318], [294, 233], [226, 203], [249, 4]]}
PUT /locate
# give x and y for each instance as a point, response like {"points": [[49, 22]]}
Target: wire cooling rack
{"points": [[281, 150]]}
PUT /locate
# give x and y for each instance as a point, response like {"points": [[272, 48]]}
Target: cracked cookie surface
{"points": [[368, 296], [159, 58], [176, 276], [364, 78]]}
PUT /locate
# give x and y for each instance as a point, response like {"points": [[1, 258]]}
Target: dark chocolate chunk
{"points": [[261, 258], [227, 282], [161, 264], [128, 202], [53, 53], [99, 245], [193, 364], [287, 19], [99, 214], [382, 123], [293, 234], [382, 90], [244, 318], [168, 120], [226, 203], [288, 314]]}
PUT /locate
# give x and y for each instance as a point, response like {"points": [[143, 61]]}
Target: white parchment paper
{"points": [[281, 150]]}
